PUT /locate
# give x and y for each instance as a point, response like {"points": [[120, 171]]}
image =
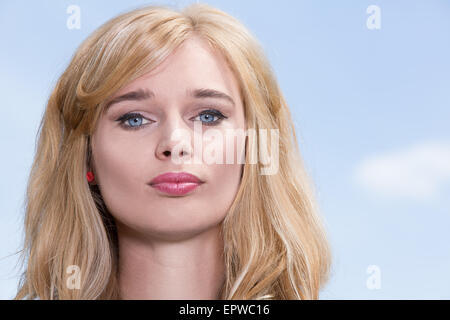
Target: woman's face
{"points": [[127, 153]]}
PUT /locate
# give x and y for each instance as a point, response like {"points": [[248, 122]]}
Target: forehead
{"points": [[193, 64]]}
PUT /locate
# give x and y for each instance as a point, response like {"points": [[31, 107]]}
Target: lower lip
{"points": [[176, 189]]}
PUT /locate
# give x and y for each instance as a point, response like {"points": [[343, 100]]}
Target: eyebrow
{"points": [[142, 94], [210, 93], [137, 95]]}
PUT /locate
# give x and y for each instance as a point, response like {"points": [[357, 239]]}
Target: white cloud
{"points": [[416, 172]]}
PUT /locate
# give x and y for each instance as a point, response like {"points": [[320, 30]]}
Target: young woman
{"points": [[120, 202]]}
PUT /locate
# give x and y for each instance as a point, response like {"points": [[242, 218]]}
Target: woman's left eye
{"points": [[207, 117]]}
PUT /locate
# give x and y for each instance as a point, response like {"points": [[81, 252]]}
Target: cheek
{"points": [[223, 185], [225, 177], [115, 159], [227, 147], [119, 166]]}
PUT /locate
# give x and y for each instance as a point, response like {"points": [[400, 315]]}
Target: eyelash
{"points": [[133, 115]]}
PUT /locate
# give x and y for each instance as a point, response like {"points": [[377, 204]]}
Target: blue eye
{"points": [[132, 121], [207, 117]]}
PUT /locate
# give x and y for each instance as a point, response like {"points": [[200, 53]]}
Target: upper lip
{"points": [[175, 177]]}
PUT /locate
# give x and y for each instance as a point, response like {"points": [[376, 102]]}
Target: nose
{"points": [[175, 139]]}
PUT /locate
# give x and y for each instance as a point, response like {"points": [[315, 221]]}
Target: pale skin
{"points": [[170, 247]]}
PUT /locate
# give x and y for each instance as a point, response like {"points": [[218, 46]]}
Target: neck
{"points": [[187, 269]]}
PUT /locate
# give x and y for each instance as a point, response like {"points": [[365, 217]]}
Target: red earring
{"points": [[90, 176]]}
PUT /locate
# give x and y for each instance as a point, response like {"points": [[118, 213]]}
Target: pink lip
{"points": [[175, 183]]}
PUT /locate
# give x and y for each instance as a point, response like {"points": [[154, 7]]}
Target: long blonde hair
{"points": [[275, 243]]}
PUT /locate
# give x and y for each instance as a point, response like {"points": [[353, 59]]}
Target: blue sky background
{"points": [[371, 107]]}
